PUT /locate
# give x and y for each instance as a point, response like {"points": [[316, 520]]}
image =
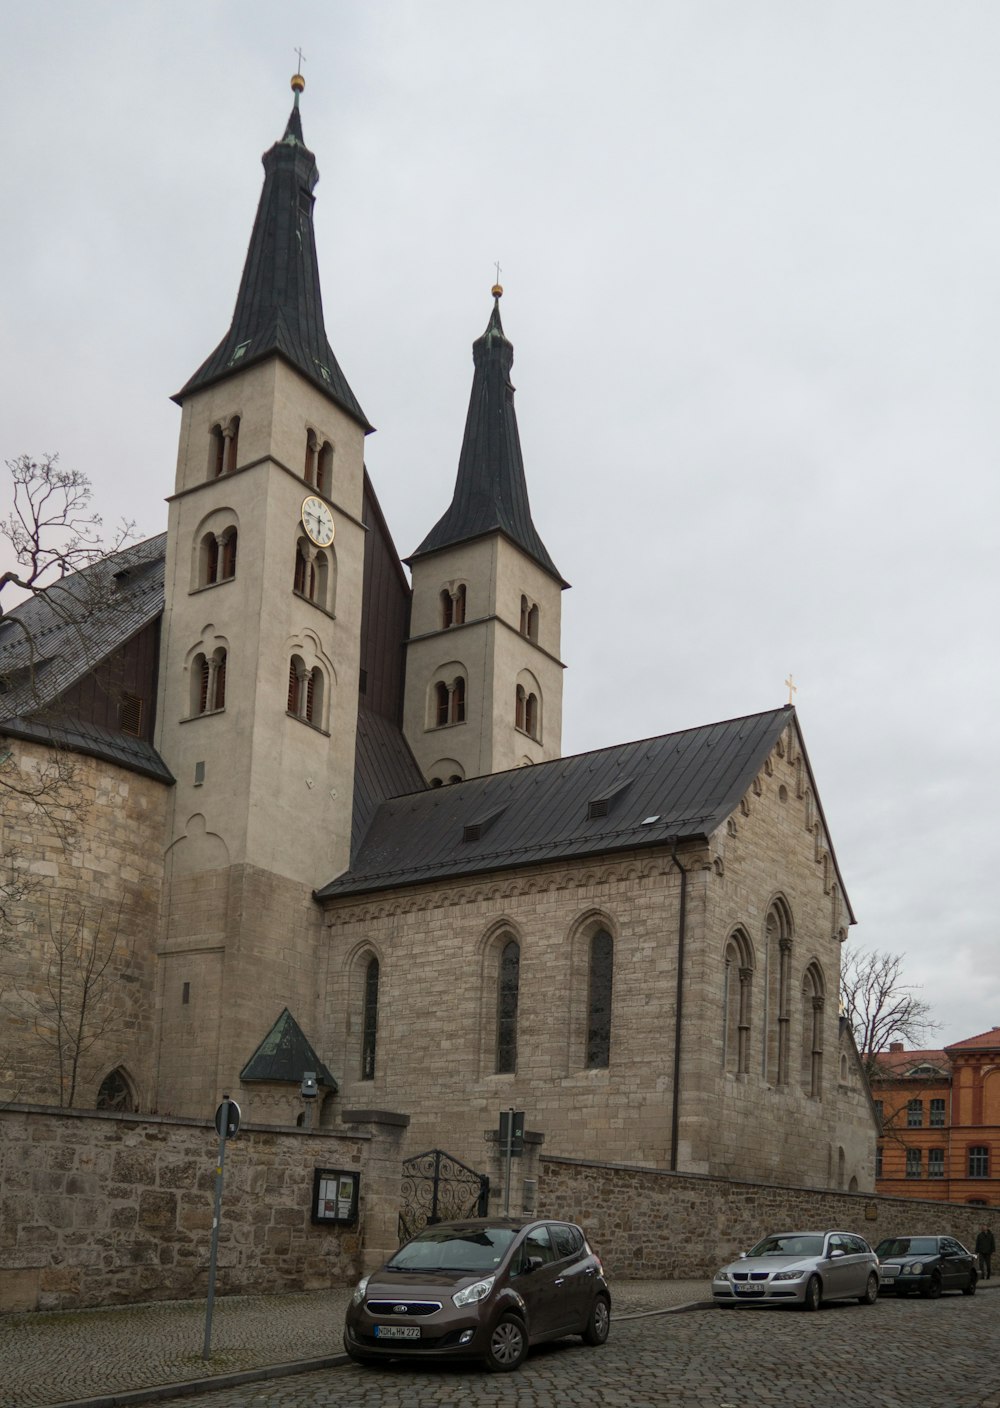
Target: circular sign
{"points": [[232, 1123]]}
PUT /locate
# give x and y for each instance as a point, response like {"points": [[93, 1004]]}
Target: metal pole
{"points": [[213, 1259], [510, 1158]]}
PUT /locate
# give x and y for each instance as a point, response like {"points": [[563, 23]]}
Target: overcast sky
{"points": [[751, 254]]}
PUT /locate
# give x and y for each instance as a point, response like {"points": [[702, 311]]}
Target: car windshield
{"points": [[795, 1244], [454, 1249], [907, 1246]]}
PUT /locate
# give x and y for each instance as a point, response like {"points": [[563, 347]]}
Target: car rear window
{"points": [[454, 1249], [568, 1240]]}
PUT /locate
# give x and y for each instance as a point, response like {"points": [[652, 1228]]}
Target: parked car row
{"points": [[807, 1268], [488, 1288]]}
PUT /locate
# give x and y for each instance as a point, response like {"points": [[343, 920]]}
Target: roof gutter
{"points": [[678, 1008]]}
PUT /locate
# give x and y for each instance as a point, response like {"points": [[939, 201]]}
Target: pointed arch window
{"points": [[778, 931], [737, 1004], [602, 956], [507, 1002], [812, 1031], [116, 1093], [369, 1020]]}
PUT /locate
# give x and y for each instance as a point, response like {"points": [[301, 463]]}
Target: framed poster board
{"points": [[335, 1195]]}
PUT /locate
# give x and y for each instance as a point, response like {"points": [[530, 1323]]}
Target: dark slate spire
{"points": [[279, 308], [491, 495]]}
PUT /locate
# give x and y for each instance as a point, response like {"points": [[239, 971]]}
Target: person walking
{"points": [[985, 1247]]}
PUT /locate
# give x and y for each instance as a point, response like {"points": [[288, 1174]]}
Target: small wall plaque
{"points": [[335, 1195]]}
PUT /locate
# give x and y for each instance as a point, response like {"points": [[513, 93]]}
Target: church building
{"points": [[329, 826]]}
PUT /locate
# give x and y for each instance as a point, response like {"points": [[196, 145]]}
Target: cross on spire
{"points": [[302, 60], [792, 687]]}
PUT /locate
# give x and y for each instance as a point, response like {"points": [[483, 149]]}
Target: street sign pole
{"points": [[227, 1118]]}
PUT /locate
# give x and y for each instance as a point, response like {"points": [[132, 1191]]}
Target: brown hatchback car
{"points": [[483, 1289]]}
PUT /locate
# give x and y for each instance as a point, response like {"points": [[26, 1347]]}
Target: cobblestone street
{"points": [[912, 1354]]}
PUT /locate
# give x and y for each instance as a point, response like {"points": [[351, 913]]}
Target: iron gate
{"points": [[439, 1188]]}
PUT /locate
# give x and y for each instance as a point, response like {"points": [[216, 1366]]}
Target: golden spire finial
{"points": [[298, 82], [497, 289]]}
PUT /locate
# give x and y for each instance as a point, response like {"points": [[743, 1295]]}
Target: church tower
{"points": [[483, 674], [259, 659]]}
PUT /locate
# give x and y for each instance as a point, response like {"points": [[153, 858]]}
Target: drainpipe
{"points": [[678, 1008]]}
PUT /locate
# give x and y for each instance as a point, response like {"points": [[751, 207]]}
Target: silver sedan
{"points": [[800, 1268]]}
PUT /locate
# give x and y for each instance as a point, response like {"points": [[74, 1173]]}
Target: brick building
{"points": [[325, 792], [940, 1117]]}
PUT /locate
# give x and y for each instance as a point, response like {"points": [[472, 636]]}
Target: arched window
{"points": [[324, 469], [519, 699], [224, 447], [312, 450], [296, 670], [369, 1021], [447, 609], [305, 691], [533, 623], [778, 959], [301, 578], [442, 701], [460, 605], [314, 696], [116, 1093], [523, 626], [507, 995], [737, 1000], [208, 682], [812, 1032], [602, 955], [458, 701], [313, 574], [531, 715], [217, 557]]}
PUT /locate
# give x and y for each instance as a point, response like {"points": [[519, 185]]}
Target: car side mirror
{"points": [[837, 1251], [534, 1263]]}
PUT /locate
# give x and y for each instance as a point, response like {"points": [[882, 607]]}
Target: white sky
{"points": [[750, 252]]}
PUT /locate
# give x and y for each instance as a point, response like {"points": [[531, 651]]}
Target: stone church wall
{"points": [[108, 877], [100, 1209], [646, 1224]]}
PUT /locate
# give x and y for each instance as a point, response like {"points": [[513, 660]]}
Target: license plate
{"points": [[397, 1332], [749, 1290], [886, 1280]]}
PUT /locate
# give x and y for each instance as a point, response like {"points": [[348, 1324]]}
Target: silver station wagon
{"points": [[800, 1268]]}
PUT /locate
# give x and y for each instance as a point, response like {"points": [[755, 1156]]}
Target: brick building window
{"points": [[914, 1114], [879, 1111], [979, 1161], [937, 1113], [935, 1163], [369, 1024], [913, 1163], [507, 999], [878, 1161], [602, 956]]}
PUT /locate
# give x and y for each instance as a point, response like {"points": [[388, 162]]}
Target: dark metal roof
{"points": [[279, 308], [384, 767], [683, 786], [491, 495], [285, 1055], [50, 641]]}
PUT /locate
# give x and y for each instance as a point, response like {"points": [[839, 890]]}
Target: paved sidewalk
{"points": [[137, 1353]]}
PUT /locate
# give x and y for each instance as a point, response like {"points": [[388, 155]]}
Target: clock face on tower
{"points": [[317, 520]]}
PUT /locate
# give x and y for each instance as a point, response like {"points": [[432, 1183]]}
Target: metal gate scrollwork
{"points": [[439, 1188]]}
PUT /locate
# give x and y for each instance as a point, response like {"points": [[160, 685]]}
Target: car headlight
{"points": [[788, 1275], [479, 1291], [722, 1276], [916, 1268], [359, 1291]]}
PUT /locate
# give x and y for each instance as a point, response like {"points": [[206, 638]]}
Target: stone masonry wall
{"points": [[648, 1224], [98, 1209]]}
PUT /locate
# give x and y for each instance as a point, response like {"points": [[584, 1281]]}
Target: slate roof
{"points": [[679, 786], [49, 642], [491, 495], [279, 307], [384, 767], [285, 1055]]}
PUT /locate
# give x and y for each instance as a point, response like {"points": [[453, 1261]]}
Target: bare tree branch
{"points": [[880, 1006]]}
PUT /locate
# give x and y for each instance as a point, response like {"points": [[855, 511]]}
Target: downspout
{"points": [[678, 1008]]}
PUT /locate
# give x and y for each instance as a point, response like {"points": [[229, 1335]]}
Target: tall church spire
{"points": [[279, 308], [491, 495]]}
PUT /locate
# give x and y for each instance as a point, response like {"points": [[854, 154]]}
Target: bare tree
{"points": [[76, 1003], [55, 537], [880, 1006]]}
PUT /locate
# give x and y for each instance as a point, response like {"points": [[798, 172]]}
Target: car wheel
{"points": [[599, 1322], [932, 1290], [508, 1345], [871, 1291], [970, 1289], [814, 1294]]}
